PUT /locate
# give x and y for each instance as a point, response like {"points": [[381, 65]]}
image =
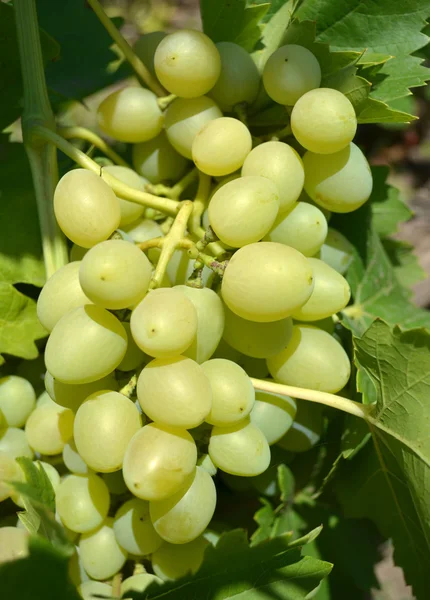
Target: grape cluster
{"points": [[137, 475]]}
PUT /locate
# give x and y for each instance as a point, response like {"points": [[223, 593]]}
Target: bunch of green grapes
{"points": [[189, 347]]}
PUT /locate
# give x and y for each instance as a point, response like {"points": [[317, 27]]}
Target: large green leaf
{"points": [[21, 258], [389, 481], [274, 569]]}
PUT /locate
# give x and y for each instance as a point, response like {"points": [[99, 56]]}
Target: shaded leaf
{"points": [[388, 209], [405, 262], [37, 485]]}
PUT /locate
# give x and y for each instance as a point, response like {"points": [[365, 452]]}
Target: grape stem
{"points": [[348, 406], [165, 205], [164, 102], [200, 201], [175, 191], [82, 133], [130, 387], [136, 64], [116, 585], [171, 241], [41, 154]]}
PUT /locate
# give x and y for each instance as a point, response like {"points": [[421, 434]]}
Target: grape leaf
{"points": [[43, 574], [10, 71], [405, 262], [233, 21], [388, 209], [273, 569], [21, 258]]}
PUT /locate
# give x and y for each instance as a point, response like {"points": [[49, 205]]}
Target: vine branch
{"points": [[82, 133]]}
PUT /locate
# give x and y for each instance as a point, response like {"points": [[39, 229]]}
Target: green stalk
{"points": [[41, 154]]}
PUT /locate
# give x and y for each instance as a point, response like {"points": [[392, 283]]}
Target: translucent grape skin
{"points": [[330, 295], [115, 274], [185, 117], [172, 561], [221, 146], [134, 530], [259, 340], [100, 553], [303, 227], [89, 589], [187, 63], [251, 203], [73, 461], [175, 392], [280, 163], [210, 322], [61, 293], [82, 502], [239, 449], [306, 429], [158, 461], [48, 428], [86, 344], [130, 211], [72, 396], [138, 583], [104, 425], [164, 323], [337, 251], [290, 72], [17, 399], [86, 208], [9, 471], [158, 161], [233, 395], [267, 281], [340, 182], [13, 544], [145, 47], [323, 121], [184, 516], [239, 80], [13, 442], [313, 359], [273, 415], [131, 115]]}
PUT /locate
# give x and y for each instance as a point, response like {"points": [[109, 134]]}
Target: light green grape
{"points": [[173, 561], [184, 516], [187, 63], [13, 442], [303, 227], [86, 344], [221, 146], [82, 502], [158, 461], [185, 117], [273, 414], [323, 121], [131, 115], [337, 251], [251, 203], [17, 400], [73, 460], [90, 590], [267, 281], [104, 425], [164, 323], [130, 211], [138, 583], [340, 182], [9, 471], [331, 293], [48, 428], [180, 268], [290, 72], [134, 356], [86, 208], [145, 47], [205, 462], [239, 80], [72, 396], [313, 359], [306, 429], [258, 340], [115, 274], [175, 392], [101, 555], [158, 161], [134, 530], [61, 293], [13, 544], [45, 398], [239, 449], [232, 392], [280, 163], [210, 322], [115, 482], [143, 230]]}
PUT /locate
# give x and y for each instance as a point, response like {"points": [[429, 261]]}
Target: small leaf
{"points": [[286, 483], [37, 485], [265, 518], [388, 209]]}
